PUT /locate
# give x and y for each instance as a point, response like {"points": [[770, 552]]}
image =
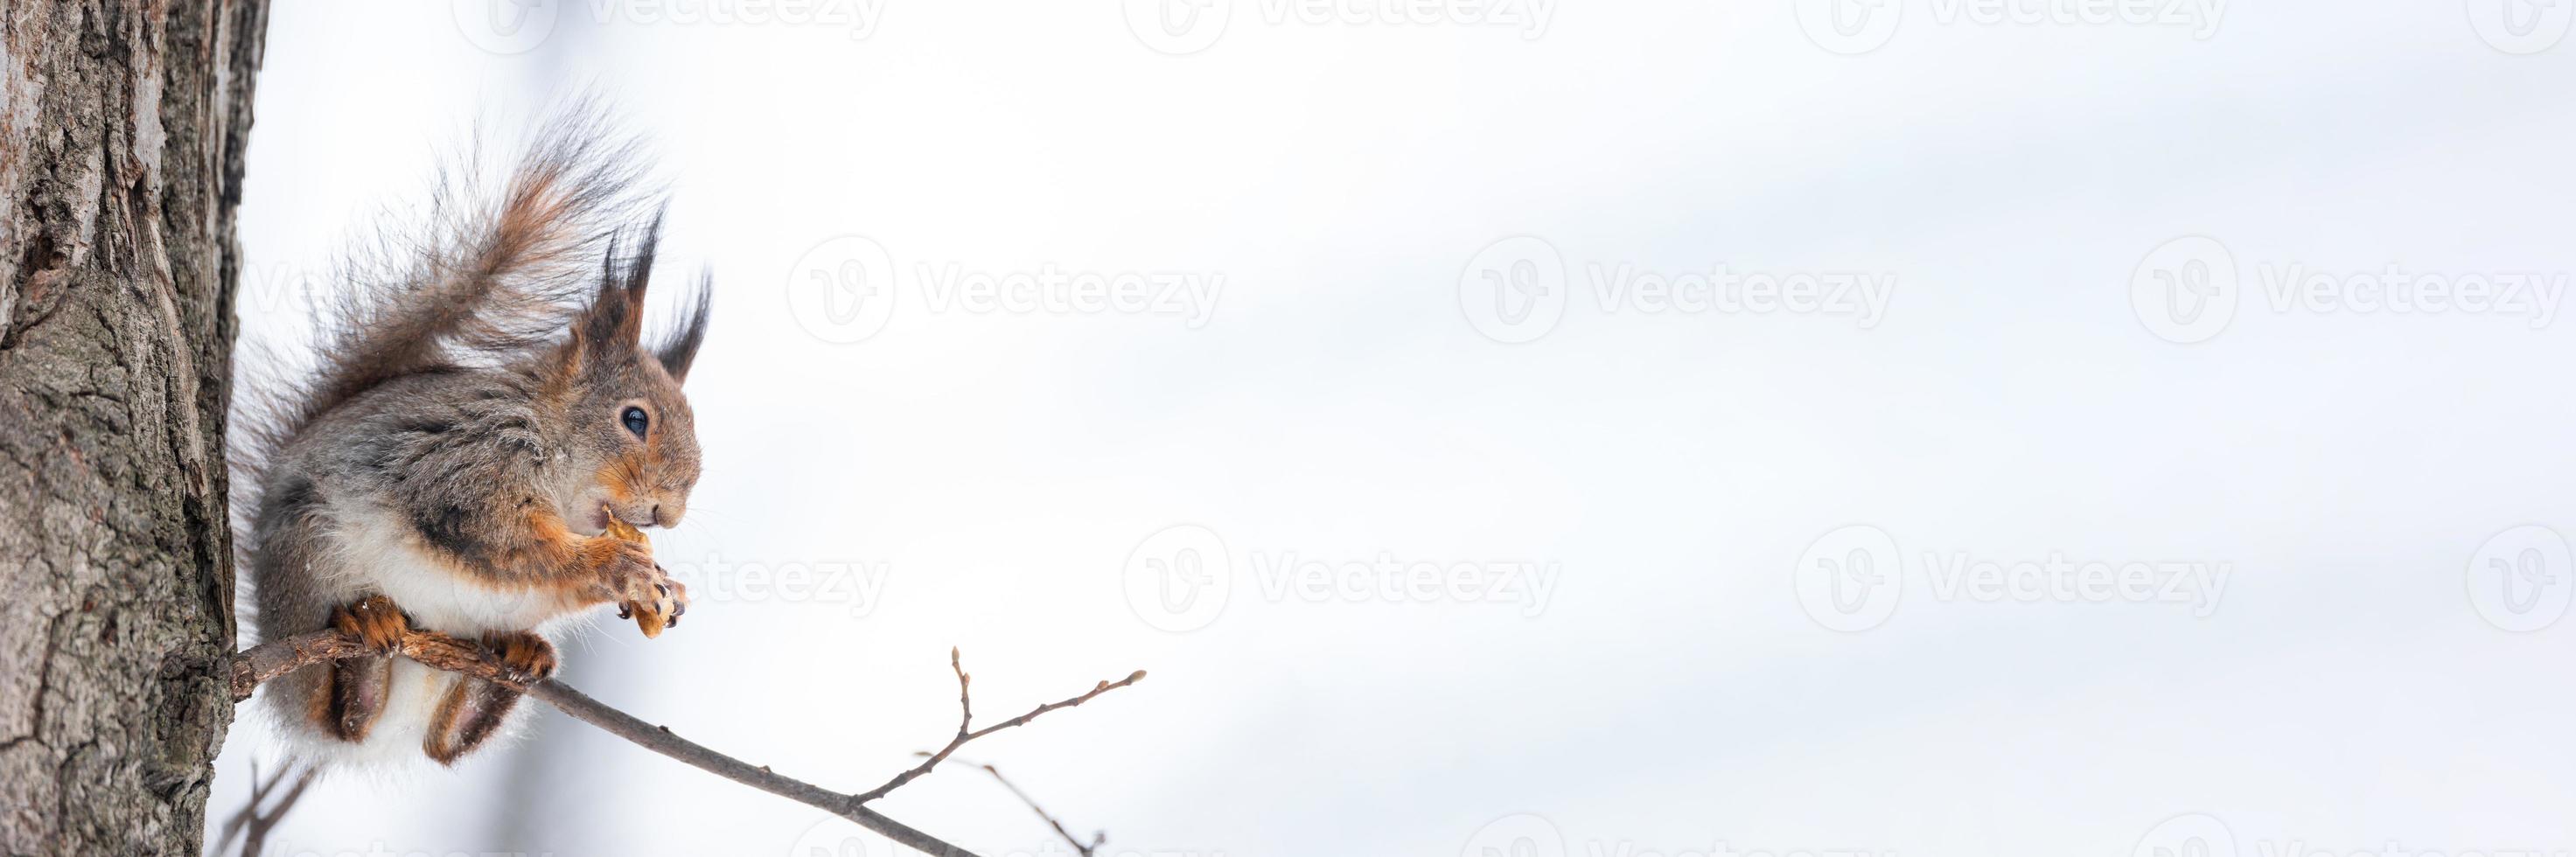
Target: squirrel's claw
{"points": [[653, 600], [524, 657], [375, 621], [669, 600]]}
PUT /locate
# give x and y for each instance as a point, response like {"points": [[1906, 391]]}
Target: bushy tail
{"points": [[488, 273]]}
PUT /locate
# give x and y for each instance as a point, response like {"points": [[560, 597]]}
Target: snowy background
{"points": [[1534, 428]]}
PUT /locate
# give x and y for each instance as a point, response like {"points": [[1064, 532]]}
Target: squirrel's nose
{"points": [[649, 518]]}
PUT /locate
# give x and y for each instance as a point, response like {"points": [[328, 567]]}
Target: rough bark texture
{"points": [[120, 165]]}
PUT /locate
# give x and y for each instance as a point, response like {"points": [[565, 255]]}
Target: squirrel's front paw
{"points": [[642, 590], [658, 609], [375, 621]]}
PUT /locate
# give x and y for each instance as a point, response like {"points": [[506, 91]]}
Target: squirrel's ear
{"points": [[682, 349], [613, 323]]}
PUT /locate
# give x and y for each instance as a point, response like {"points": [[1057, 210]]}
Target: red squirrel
{"points": [[486, 427]]}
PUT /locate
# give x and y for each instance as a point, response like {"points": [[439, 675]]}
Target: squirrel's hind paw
{"points": [[524, 657], [354, 690], [473, 709], [374, 620]]}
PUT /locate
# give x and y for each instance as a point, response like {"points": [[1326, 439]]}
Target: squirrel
{"points": [[485, 430]]}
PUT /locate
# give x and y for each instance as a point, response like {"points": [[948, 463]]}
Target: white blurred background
{"points": [[1613, 655]]}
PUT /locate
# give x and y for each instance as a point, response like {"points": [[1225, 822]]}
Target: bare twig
{"points": [[275, 658], [279, 657], [257, 824], [1098, 837], [966, 721]]}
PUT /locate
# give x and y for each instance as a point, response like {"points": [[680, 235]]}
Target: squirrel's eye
{"points": [[636, 421]]}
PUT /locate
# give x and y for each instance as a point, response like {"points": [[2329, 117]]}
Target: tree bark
{"points": [[121, 141]]}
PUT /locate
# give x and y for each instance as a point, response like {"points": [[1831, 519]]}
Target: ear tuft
{"points": [[614, 321], [682, 349]]}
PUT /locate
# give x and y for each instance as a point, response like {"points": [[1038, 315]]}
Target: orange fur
{"points": [[374, 620], [443, 744], [352, 690], [318, 707], [473, 709]]}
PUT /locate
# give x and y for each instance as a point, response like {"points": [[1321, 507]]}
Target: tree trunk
{"points": [[120, 166]]}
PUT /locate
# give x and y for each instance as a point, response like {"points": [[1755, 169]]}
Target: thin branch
{"points": [[1098, 837], [966, 722], [278, 657], [256, 823], [1096, 690], [274, 658]]}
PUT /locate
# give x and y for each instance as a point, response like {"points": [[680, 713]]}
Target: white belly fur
{"points": [[380, 553], [375, 552]]}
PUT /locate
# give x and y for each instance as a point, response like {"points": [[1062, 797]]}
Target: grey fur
{"points": [[465, 396]]}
